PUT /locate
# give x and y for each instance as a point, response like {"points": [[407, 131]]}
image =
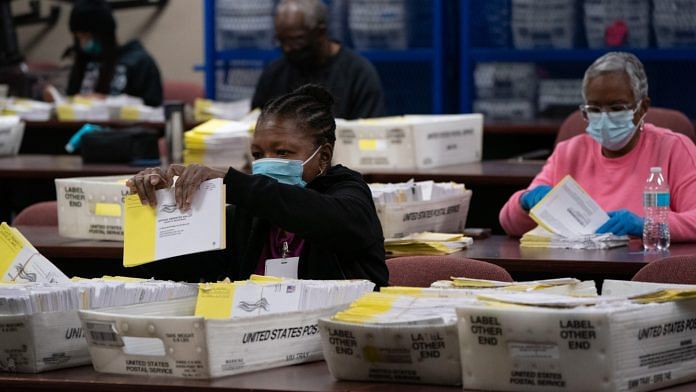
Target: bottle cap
{"points": [[656, 169]]}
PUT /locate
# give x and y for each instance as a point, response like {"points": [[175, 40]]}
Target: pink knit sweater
{"points": [[617, 183]]}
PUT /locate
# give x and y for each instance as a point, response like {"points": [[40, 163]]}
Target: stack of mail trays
{"points": [[529, 336]]}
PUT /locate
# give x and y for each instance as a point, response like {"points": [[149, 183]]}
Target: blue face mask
{"points": [[92, 47], [286, 171], [613, 130]]}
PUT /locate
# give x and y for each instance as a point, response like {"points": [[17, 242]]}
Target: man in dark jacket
{"points": [[309, 56]]}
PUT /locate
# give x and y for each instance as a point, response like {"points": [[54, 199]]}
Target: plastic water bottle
{"points": [[656, 208]]}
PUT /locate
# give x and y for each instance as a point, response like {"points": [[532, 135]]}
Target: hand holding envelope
{"points": [[185, 179], [166, 230]]}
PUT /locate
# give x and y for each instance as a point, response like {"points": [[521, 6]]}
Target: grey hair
{"points": [[314, 11], [619, 62]]}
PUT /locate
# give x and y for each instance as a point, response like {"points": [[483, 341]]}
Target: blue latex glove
{"points": [[622, 222], [530, 198]]}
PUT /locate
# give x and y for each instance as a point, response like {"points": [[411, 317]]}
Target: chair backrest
{"points": [[44, 213], [673, 120], [421, 271], [675, 269], [174, 90]]}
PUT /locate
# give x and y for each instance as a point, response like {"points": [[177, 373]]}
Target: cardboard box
{"points": [[91, 207], [420, 354], [620, 346], [177, 344], [55, 340], [424, 351], [42, 341], [446, 215], [11, 134], [409, 142]]}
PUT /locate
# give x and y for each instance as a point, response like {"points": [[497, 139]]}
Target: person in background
{"points": [[612, 159], [310, 56], [295, 203], [101, 66]]}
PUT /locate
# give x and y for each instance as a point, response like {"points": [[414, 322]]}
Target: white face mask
{"points": [[613, 130]]}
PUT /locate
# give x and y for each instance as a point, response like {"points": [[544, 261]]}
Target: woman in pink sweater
{"points": [[612, 160]]}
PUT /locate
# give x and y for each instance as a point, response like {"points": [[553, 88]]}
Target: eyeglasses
{"points": [[608, 109], [588, 110]]}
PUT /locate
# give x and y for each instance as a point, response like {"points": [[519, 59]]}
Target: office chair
{"points": [[675, 269], [187, 92], [44, 213], [422, 271]]}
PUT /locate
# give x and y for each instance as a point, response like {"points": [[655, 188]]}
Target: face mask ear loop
{"points": [[312, 156]]}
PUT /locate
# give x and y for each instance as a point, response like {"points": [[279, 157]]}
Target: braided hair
{"points": [[311, 107]]}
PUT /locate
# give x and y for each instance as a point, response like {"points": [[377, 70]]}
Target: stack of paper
{"points": [[382, 308], [219, 143], [206, 109], [141, 112], [414, 305], [261, 296], [92, 109], [568, 218], [21, 262], [26, 109], [165, 231], [542, 238], [565, 286], [411, 191], [111, 291], [32, 298], [427, 244], [11, 133]]}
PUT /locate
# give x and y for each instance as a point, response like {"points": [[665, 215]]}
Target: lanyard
{"points": [[285, 249]]}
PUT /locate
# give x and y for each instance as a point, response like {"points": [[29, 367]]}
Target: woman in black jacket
{"points": [[102, 66], [295, 203]]}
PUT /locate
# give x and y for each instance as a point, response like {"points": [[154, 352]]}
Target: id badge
{"points": [[285, 267]]}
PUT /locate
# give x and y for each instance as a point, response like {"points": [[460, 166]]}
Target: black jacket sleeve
{"points": [[262, 93], [368, 96], [73, 83], [343, 217], [144, 81]]}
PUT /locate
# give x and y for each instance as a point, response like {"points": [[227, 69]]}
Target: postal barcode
{"points": [[103, 336]]}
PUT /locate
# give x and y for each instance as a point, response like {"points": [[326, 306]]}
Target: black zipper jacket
{"points": [[334, 214]]}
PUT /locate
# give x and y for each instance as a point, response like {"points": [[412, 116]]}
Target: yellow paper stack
{"points": [[207, 109], [220, 143], [26, 109], [427, 243]]}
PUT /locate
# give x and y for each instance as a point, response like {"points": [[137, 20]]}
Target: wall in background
{"points": [[172, 35]]}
